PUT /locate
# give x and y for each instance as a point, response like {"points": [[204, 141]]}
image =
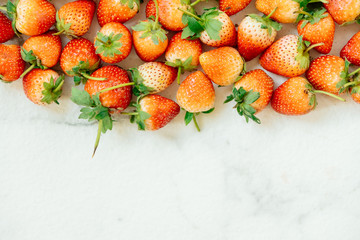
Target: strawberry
{"points": [[41, 51], [255, 34], [100, 97], [150, 40], [170, 14], [74, 18], [343, 11], [287, 10], [296, 96], [31, 17], [153, 112], [152, 77], [113, 42], [183, 54], [43, 86], [150, 9], [288, 56], [11, 63], [116, 10], [196, 95], [6, 31], [252, 93], [231, 7], [222, 65], [351, 51], [79, 59], [214, 28]]}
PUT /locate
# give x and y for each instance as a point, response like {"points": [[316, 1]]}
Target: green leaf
{"points": [[209, 111], [53, 90], [188, 117], [213, 28], [81, 97]]}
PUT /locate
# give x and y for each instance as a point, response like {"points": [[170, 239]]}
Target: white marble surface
{"points": [[288, 178]]}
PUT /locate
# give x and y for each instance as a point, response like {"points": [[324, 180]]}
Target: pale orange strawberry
{"points": [[116, 11], [286, 12], [183, 54], [43, 86], [318, 32], [150, 9], [170, 16], [195, 95], [6, 31], [351, 51], [74, 18], [255, 34], [343, 11], [11, 63], [222, 65], [231, 7], [113, 42]]}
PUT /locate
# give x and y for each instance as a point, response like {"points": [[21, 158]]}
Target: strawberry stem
{"points": [[117, 86], [60, 86], [349, 84], [329, 94], [196, 2], [157, 12], [313, 46], [354, 72], [92, 78], [130, 113], [305, 13], [196, 124], [98, 137], [178, 75], [3, 8], [59, 33], [190, 14], [27, 70], [270, 14]]}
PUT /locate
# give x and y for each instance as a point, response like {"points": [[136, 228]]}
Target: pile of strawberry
{"points": [[109, 89]]}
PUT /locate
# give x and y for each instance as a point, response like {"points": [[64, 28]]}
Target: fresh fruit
{"points": [[74, 18], [32, 17], [79, 59], [6, 31], [11, 63], [296, 96], [183, 54], [43, 86], [318, 27], [150, 9], [213, 27], [252, 93], [231, 7], [152, 77], [255, 34], [196, 95], [153, 112], [287, 10], [222, 65], [117, 10], [150, 40], [170, 14], [41, 51], [113, 42], [343, 11], [100, 98], [351, 51], [288, 56]]}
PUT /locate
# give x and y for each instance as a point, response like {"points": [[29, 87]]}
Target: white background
{"points": [[288, 178]]}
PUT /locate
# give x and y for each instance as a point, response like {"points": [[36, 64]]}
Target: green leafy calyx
{"points": [[131, 3], [108, 45], [267, 23], [139, 89], [139, 116], [12, 13], [63, 27], [152, 29], [82, 71], [52, 90]]}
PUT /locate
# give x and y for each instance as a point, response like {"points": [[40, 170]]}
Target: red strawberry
{"points": [[222, 65], [32, 17], [196, 95], [288, 56], [6, 31], [116, 11], [113, 42], [154, 112], [318, 28], [42, 51], [231, 7], [295, 97], [152, 77], [79, 60], [43, 86], [255, 34], [252, 93], [287, 10], [343, 11], [351, 51], [100, 97], [74, 18], [169, 14], [183, 54], [11, 63], [150, 9]]}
